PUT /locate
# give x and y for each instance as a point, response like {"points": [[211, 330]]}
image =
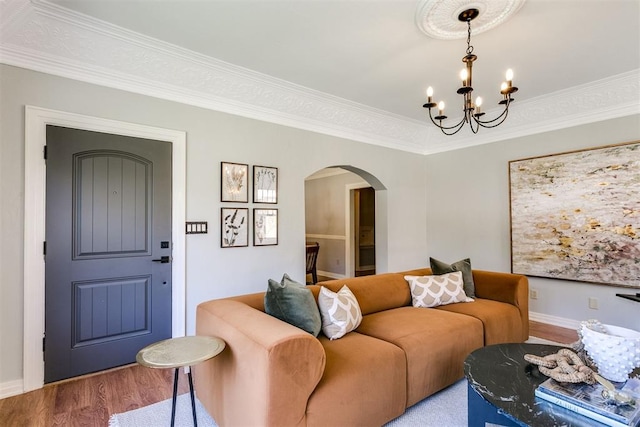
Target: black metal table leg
{"points": [[193, 400], [175, 395]]}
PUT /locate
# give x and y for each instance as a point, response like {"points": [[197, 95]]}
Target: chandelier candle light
{"points": [[472, 111]]}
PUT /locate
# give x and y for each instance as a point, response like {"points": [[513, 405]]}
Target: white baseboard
{"points": [[331, 275], [554, 320], [11, 388]]}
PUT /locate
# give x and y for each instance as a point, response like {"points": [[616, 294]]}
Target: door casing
{"points": [[36, 120]]}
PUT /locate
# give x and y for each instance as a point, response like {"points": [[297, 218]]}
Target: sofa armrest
{"points": [[505, 287], [255, 380]]}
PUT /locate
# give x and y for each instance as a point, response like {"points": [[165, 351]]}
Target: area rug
{"points": [[445, 408], [159, 414]]}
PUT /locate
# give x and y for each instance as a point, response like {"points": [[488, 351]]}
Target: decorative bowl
{"points": [[614, 350]]}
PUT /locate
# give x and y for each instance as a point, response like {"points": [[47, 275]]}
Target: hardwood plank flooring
{"points": [[91, 399], [553, 333]]}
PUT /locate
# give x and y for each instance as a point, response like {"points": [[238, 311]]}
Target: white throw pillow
{"points": [[432, 291], [340, 312]]}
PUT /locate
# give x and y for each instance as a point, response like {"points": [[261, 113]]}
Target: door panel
{"points": [[108, 217], [109, 310], [112, 206]]}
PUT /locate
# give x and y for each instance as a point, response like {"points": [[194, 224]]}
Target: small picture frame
{"points": [[265, 227], [234, 227], [265, 184], [234, 179]]}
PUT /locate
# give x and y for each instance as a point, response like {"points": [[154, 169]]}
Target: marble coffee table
{"points": [[501, 386], [179, 353]]}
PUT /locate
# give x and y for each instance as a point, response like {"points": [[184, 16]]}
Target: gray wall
{"points": [[212, 137], [468, 215], [457, 202]]}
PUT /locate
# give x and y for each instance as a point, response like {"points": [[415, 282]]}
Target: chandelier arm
{"points": [[460, 125], [490, 123], [477, 122], [443, 128]]}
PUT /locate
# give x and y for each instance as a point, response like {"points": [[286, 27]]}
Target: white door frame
{"points": [[36, 120], [349, 225]]}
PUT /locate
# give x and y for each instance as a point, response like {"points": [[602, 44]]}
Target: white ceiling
{"points": [[372, 56]]}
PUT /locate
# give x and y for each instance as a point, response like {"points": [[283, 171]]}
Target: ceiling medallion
{"points": [[439, 18]]}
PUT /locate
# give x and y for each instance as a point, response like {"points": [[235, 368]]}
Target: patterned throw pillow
{"points": [[340, 312], [432, 291]]}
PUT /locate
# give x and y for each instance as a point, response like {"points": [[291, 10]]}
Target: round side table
{"points": [[179, 353]]}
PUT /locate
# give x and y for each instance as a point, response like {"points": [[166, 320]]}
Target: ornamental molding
{"points": [[45, 37], [439, 19]]}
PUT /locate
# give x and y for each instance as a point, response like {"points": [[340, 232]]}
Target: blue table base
{"points": [[481, 412]]}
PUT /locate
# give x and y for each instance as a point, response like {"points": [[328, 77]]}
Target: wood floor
{"points": [[91, 399]]}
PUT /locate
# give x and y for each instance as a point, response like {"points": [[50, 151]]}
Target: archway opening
{"points": [[345, 213]]}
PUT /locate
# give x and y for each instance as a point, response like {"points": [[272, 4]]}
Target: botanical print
{"points": [[234, 227], [265, 184], [265, 228], [576, 216], [234, 182]]}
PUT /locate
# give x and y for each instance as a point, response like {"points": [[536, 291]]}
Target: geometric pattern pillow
{"points": [[340, 312], [432, 291]]}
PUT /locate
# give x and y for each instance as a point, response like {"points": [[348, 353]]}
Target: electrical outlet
{"points": [[533, 294], [593, 303]]}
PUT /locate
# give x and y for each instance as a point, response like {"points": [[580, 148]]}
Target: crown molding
{"points": [[41, 36]]}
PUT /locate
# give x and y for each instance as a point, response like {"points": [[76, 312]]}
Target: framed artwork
{"points": [[234, 182], [576, 215], [265, 227], [265, 184], [234, 227]]}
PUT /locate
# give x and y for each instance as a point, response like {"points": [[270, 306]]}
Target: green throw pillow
{"points": [[293, 303], [464, 266]]}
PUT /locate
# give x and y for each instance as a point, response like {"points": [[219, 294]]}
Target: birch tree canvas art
{"points": [[576, 216]]}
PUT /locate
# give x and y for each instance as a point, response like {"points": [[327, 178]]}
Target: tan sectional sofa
{"points": [[274, 374]]}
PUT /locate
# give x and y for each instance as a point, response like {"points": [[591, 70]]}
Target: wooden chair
{"points": [[312, 260]]}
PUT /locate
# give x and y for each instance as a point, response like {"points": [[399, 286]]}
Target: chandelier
{"points": [[473, 114]]}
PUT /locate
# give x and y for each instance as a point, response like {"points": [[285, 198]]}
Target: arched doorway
{"points": [[345, 212]]}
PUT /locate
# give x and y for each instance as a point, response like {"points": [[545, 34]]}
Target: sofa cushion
{"points": [[464, 265], [435, 344], [432, 291], [364, 383], [339, 311], [501, 321], [374, 293], [293, 303]]}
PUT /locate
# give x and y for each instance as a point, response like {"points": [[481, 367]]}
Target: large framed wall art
{"points": [[576, 215]]}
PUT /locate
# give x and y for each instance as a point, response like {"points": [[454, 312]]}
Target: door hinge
{"points": [[44, 152], [43, 346], [44, 248]]}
